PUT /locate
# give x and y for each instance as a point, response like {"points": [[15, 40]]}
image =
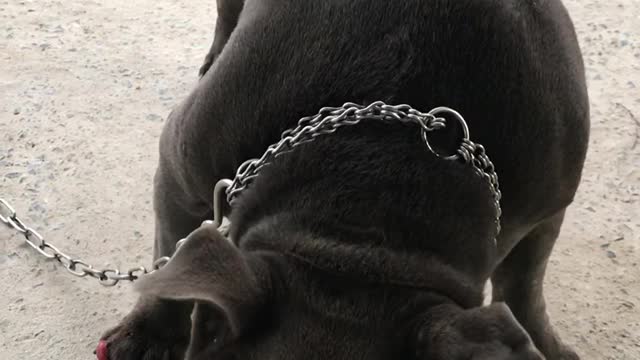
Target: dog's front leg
{"points": [[155, 328], [518, 281]]}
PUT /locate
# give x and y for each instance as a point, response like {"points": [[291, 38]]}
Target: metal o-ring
{"points": [[465, 129]]}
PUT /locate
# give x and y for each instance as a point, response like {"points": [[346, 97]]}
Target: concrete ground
{"points": [[85, 86]]}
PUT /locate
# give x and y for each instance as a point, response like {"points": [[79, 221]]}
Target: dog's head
{"points": [[246, 310]]}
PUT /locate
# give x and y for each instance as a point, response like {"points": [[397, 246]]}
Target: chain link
{"points": [[327, 121], [475, 155], [77, 267]]}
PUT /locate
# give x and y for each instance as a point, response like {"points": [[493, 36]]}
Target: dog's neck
{"points": [[370, 201], [364, 262]]}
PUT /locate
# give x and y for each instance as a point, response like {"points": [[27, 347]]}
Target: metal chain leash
{"points": [[327, 121], [77, 267]]}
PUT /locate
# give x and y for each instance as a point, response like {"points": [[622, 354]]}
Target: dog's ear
{"points": [[208, 268], [483, 333]]}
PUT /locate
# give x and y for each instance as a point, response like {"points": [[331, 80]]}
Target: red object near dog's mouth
{"points": [[101, 351]]}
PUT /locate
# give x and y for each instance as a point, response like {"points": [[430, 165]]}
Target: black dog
{"points": [[362, 244]]}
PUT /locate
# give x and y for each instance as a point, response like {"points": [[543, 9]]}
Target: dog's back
{"points": [[512, 68]]}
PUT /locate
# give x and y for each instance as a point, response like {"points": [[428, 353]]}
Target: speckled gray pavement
{"points": [[85, 87]]}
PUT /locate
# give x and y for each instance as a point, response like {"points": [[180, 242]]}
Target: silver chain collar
{"points": [[327, 121]]}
